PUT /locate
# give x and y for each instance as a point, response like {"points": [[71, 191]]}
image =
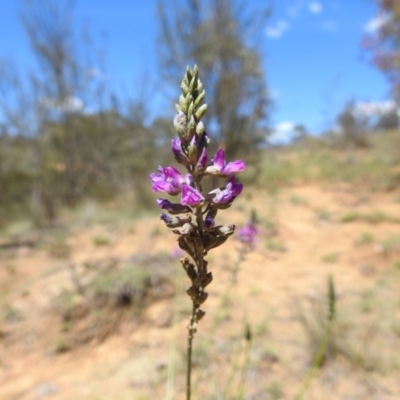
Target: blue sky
{"points": [[314, 63]]}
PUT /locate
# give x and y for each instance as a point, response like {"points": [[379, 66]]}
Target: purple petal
{"points": [[190, 196], [173, 208], [219, 160], [164, 204], [168, 180], [236, 188], [202, 163], [234, 166], [228, 194], [176, 146], [172, 174], [209, 223]]}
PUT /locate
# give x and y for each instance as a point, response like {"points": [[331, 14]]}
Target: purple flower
{"points": [[168, 180], [190, 196], [202, 162], [228, 194], [221, 168], [247, 234], [209, 223], [173, 208], [176, 147]]}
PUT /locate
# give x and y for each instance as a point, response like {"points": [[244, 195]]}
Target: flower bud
{"points": [[183, 103], [199, 85], [191, 126], [184, 87], [199, 98], [190, 110], [192, 83], [200, 112], [180, 124], [200, 128], [192, 151]]}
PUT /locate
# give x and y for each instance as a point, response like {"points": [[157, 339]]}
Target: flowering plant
{"points": [[193, 217]]}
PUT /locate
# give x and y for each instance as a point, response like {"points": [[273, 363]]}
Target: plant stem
{"points": [[191, 332]]}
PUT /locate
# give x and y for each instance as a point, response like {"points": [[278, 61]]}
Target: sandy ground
{"points": [[302, 241]]}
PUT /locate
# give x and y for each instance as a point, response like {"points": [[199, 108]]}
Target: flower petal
{"points": [[219, 160], [190, 196], [234, 166], [168, 180]]}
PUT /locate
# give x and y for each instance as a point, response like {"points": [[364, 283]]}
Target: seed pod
{"points": [[200, 314], [192, 291], [190, 271], [207, 280], [201, 298]]}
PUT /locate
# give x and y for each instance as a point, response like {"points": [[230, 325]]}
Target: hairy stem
{"points": [[191, 332]]}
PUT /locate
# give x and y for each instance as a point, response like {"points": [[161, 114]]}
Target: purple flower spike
{"points": [[228, 194], [168, 180], [221, 168], [190, 196], [247, 234]]}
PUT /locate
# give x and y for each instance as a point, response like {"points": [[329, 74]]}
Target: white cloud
{"points": [[276, 31], [71, 104], [376, 23], [315, 7], [373, 108], [282, 133]]}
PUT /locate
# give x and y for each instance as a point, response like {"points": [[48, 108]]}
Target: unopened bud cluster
{"points": [[193, 218]]}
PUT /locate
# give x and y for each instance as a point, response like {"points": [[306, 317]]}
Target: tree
{"points": [[62, 82], [353, 128], [388, 120], [221, 37], [383, 42]]}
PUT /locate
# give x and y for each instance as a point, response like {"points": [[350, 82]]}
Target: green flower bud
{"points": [[191, 126], [192, 150], [192, 84], [199, 98], [184, 87], [199, 86], [180, 124], [183, 103], [190, 110], [200, 112], [200, 128]]}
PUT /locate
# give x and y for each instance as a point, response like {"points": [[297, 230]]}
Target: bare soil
{"points": [[121, 353]]}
